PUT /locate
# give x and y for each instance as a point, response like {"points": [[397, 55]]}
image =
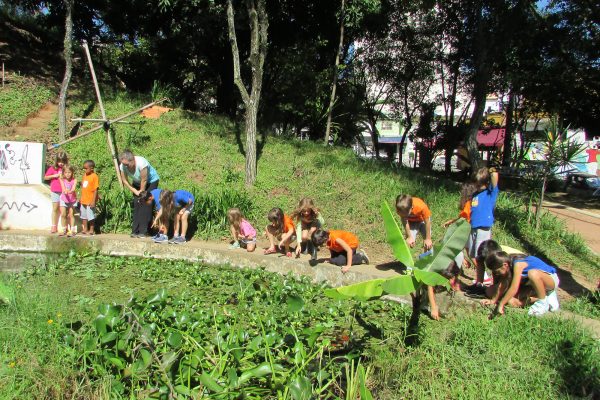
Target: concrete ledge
{"points": [[200, 251]]}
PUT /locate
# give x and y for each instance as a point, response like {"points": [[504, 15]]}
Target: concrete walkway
{"points": [[583, 222]]}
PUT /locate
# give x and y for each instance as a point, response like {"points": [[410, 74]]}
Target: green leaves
{"points": [[425, 271], [395, 237], [444, 253]]}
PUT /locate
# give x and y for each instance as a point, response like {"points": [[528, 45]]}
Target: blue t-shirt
{"points": [[535, 263], [482, 208], [181, 198], [155, 197]]}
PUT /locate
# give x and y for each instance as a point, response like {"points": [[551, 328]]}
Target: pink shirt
{"points": [[68, 197], [246, 229], [54, 182]]}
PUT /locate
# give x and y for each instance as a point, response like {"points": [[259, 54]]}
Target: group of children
{"points": [[304, 226], [515, 276], [63, 185]]}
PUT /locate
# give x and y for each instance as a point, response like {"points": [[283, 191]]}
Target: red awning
{"points": [[491, 138]]}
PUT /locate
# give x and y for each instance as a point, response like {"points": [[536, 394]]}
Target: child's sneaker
{"points": [[177, 240], [234, 245], [552, 299], [160, 238], [538, 308], [364, 256]]}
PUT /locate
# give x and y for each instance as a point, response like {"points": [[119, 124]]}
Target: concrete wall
{"points": [[25, 207]]}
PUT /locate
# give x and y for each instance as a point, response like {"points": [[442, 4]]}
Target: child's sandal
{"points": [[269, 251], [288, 254]]}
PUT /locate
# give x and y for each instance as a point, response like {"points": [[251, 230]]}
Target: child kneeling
{"points": [[244, 234], [512, 272], [342, 246]]}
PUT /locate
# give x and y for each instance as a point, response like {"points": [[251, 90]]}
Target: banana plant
{"points": [[425, 271]]}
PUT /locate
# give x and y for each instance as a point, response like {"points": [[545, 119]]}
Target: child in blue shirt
{"points": [[483, 202], [514, 274], [180, 203]]}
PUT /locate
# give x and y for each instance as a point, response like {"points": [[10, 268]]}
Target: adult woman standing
{"points": [[144, 178]]}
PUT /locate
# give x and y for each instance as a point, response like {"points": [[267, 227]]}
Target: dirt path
{"points": [[35, 128], [584, 222]]}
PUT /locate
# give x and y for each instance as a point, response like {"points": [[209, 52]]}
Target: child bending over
{"points": [[243, 233], [180, 203], [416, 218], [518, 277], [308, 219], [281, 227], [342, 245]]}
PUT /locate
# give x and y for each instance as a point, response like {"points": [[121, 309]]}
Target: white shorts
{"points": [[88, 213]]}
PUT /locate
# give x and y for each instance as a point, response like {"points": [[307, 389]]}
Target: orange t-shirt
{"points": [[347, 237], [419, 211], [466, 211], [89, 184], [288, 224]]}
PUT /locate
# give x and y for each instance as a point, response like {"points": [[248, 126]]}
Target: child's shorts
{"points": [[55, 197], [187, 210], [245, 242], [86, 212], [68, 205]]}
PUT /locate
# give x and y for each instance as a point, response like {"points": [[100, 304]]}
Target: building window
{"points": [[386, 125]]}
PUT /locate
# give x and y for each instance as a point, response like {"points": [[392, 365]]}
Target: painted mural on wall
{"points": [[21, 163]]}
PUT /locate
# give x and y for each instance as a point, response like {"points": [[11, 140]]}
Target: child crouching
{"points": [[518, 277], [342, 246], [244, 235]]}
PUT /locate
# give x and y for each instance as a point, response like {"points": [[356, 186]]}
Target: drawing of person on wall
{"points": [[3, 162], [24, 164]]}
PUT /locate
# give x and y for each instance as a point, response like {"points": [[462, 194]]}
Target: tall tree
{"points": [[335, 74], [68, 56], [259, 23]]}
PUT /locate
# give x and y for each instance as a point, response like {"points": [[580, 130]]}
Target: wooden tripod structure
{"points": [[104, 122]]}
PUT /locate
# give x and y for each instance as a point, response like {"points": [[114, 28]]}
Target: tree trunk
{"points": [[407, 128], [258, 49], [67, 54], [508, 131], [538, 210], [251, 113], [479, 94], [335, 76]]}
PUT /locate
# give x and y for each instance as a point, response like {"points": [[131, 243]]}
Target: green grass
{"points": [[20, 98], [465, 356], [587, 305], [201, 153]]}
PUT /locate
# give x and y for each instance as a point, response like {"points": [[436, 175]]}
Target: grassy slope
{"points": [[20, 98], [202, 153]]}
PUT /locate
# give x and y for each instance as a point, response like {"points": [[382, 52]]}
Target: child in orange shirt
{"points": [[416, 217], [281, 227], [342, 246], [89, 196]]}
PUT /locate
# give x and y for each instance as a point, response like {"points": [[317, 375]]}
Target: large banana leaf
{"points": [[400, 285], [430, 278], [395, 237], [360, 291], [445, 252]]}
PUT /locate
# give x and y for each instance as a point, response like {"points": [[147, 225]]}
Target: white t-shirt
{"points": [[140, 164]]}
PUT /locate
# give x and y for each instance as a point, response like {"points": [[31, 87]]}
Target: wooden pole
{"points": [[113, 153], [98, 127], [89, 58]]}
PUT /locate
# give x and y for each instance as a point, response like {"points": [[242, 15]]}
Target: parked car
{"points": [[582, 181]]}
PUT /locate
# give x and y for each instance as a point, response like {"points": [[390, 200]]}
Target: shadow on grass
{"points": [[511, 218]]}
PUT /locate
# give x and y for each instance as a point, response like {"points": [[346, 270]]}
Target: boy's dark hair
{"points": [[482, 177], [486, 248], [91, 163], [404, 203], [319, 237], [467, 190]]}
